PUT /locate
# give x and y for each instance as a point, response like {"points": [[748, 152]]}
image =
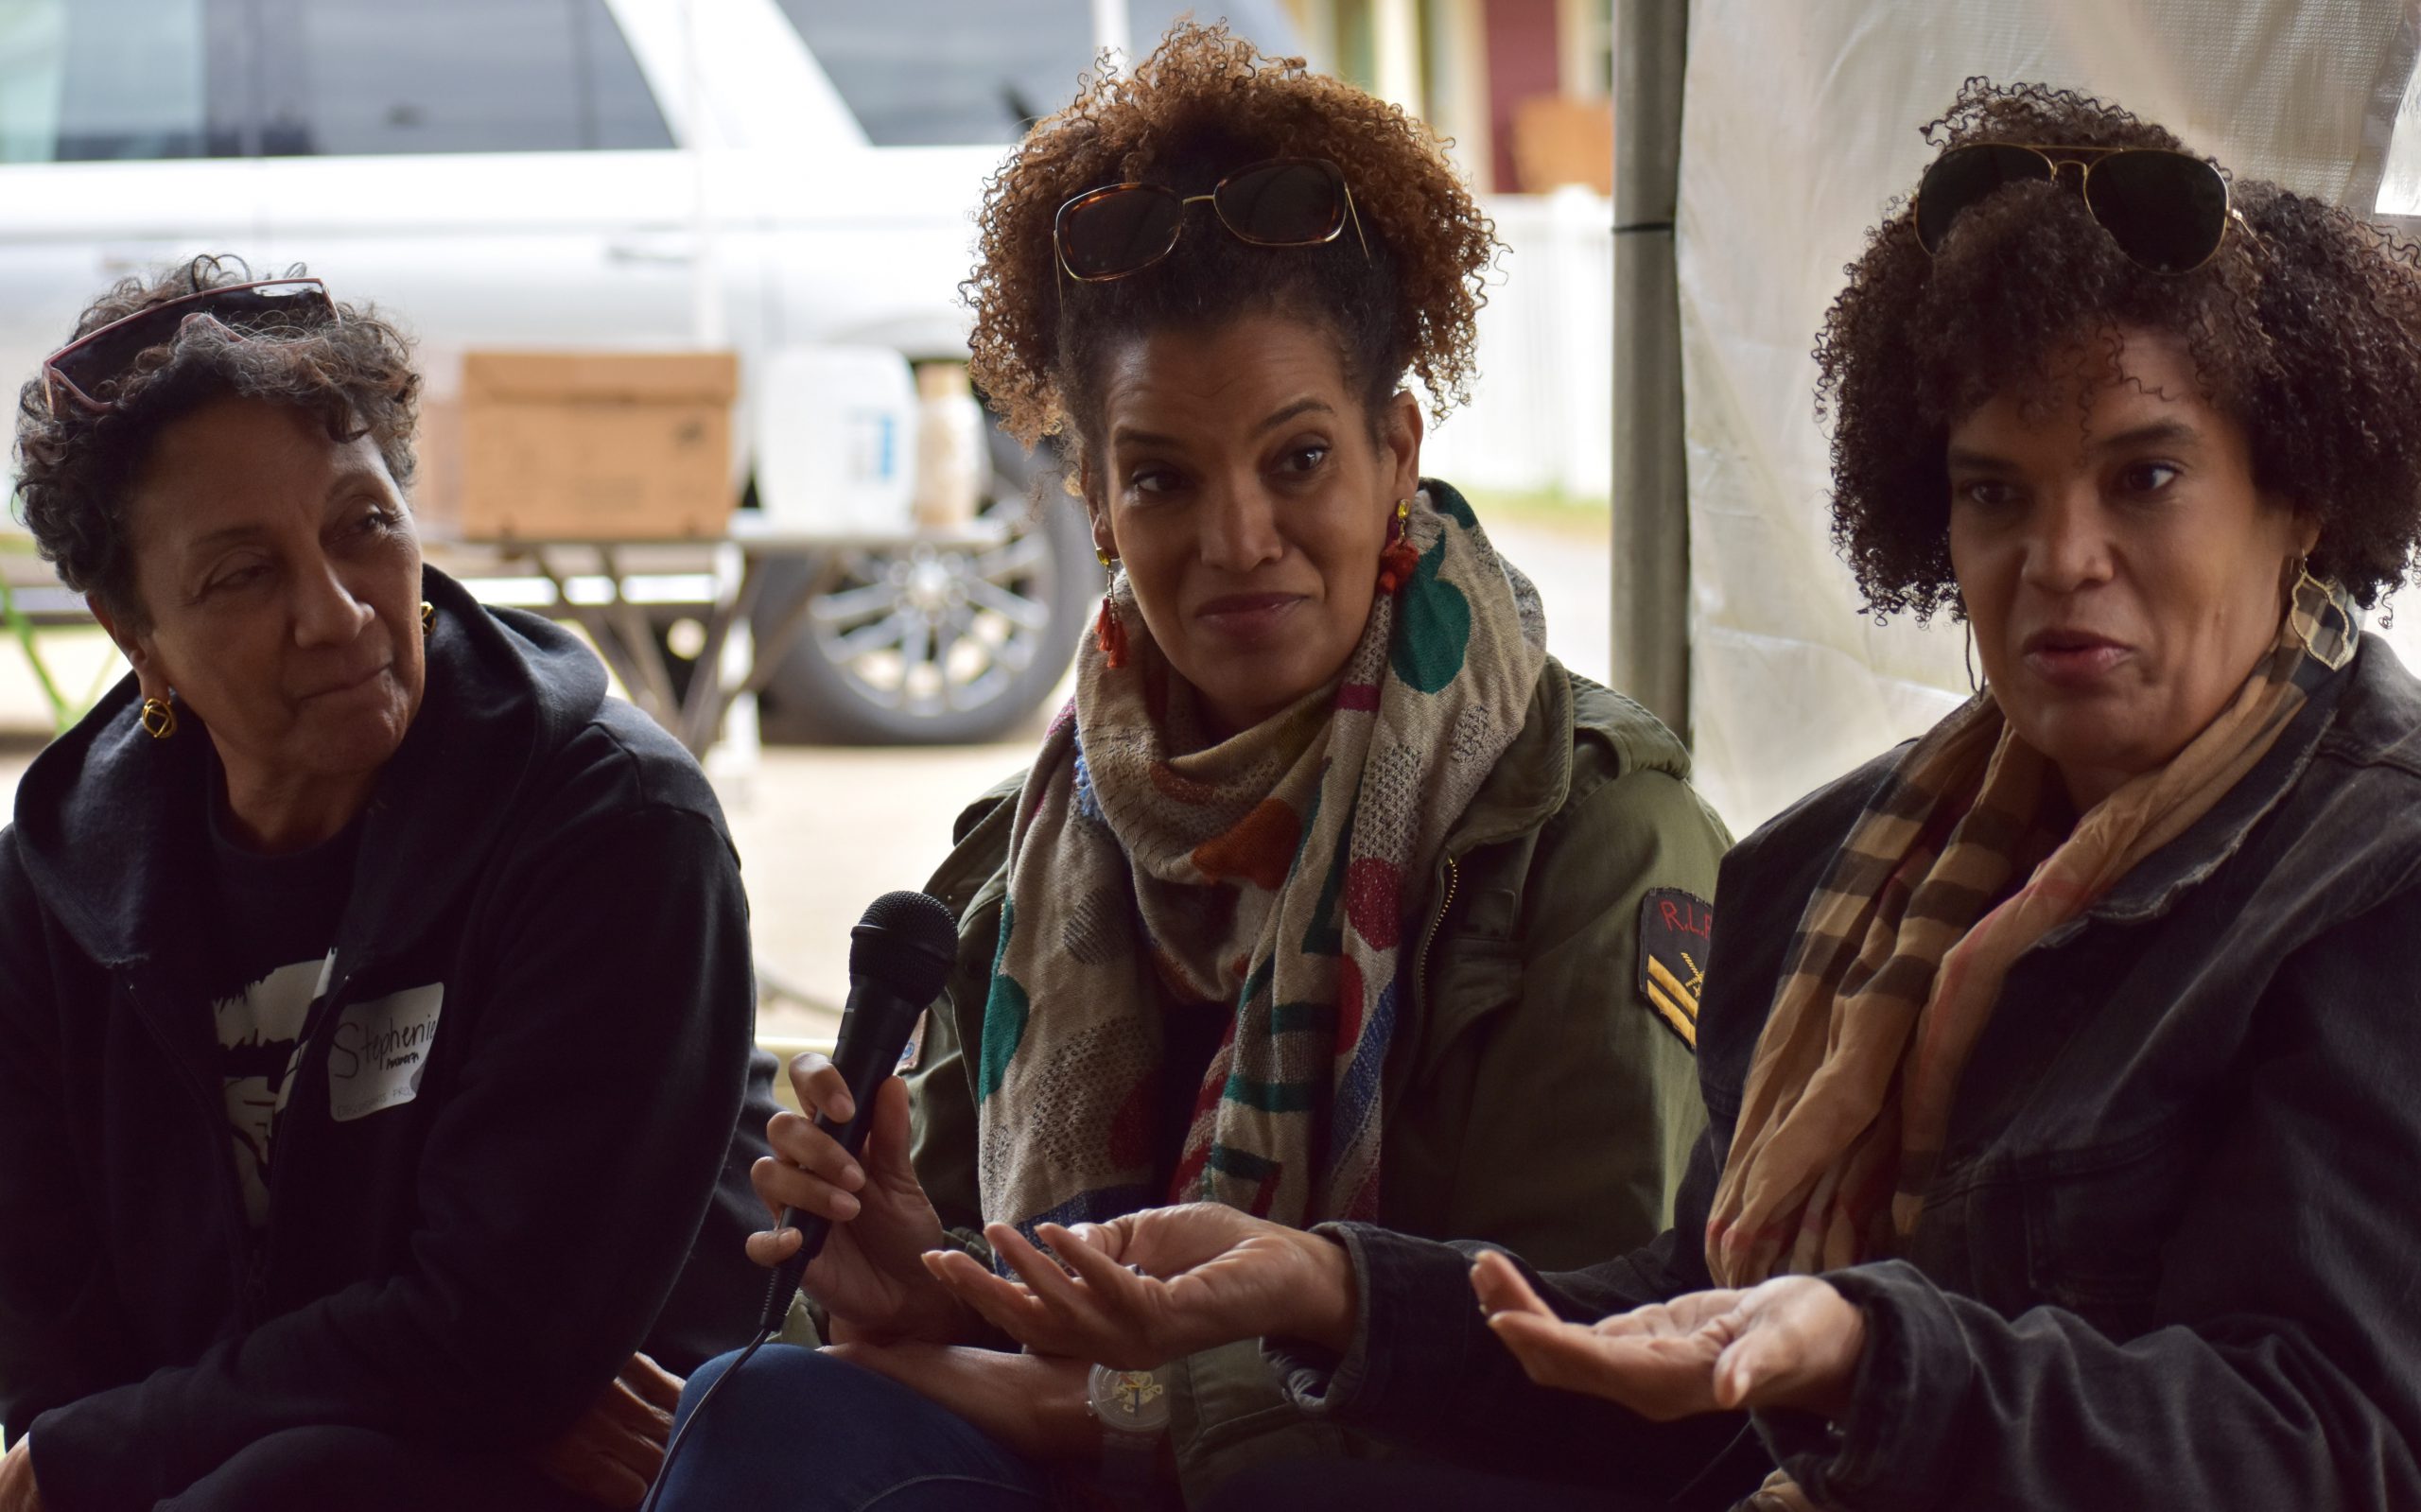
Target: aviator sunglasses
{"points": [[1121, 229], [2167, 211], [73, 371]]}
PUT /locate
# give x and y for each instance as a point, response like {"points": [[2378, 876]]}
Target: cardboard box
{"points": [[580, 446]]}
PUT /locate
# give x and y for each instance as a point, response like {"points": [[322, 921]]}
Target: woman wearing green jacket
{"points": [[1331, 895]]}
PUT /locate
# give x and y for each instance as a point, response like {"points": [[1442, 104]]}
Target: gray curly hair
{"points": [[76, 467]]}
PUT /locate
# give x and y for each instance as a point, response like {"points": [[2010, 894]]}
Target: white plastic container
{"points": [[952, 464], [836, 442]]}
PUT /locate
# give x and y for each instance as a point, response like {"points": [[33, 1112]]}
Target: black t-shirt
{"points": [[1194, 1032], [273, 925]]}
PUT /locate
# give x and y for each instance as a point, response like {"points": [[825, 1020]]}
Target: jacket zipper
{"points": [[256, 1280], [245, 1264], [1421, 972]]}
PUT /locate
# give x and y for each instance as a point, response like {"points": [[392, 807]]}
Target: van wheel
{"points": [[923, 645]]}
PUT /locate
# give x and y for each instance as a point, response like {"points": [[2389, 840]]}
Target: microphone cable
{"points": [[777, 1292], [899, 954], [681, 1435]]}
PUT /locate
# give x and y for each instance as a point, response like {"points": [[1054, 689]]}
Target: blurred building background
{"points": [[1521, 91], [1522, 87]]}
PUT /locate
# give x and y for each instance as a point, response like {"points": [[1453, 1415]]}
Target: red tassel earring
{"points": [[1397, 562], [1109, 632]]}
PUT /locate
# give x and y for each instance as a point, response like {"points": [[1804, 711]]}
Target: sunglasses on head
{"points": [[72, 372], [2167, 211], [1122, 229]]}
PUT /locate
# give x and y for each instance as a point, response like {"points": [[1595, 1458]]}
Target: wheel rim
{"points": [[932, 630]]}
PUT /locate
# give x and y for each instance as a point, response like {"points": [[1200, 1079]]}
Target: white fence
{"points": [[1541, 410]]}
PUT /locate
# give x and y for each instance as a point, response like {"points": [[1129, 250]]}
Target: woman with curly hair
{"points": [[2063, 1147], [310, 933], [1330, 895]]}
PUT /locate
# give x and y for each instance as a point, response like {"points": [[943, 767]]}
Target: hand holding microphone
{"points": [[855, 1233], [853, 1218]]}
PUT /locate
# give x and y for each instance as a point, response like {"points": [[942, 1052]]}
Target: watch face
{"points": [[1131, 1401]]}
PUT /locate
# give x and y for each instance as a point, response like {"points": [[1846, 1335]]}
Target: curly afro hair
{"points": [[2306, 333], [76, 468], [1204, 104]]}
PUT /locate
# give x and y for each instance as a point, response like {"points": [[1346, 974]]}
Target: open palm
{"points": [[1792, 1341], [1155, 1285]]}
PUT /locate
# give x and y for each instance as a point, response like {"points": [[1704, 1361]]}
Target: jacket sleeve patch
{"points": [[1673, 928]]}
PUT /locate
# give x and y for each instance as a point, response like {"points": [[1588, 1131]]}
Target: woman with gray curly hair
{"points": [[311, 932]]}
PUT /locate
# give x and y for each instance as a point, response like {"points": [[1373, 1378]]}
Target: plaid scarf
{"points": [[1151, 870], [1901, 953]]}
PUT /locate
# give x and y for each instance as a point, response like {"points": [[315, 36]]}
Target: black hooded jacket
{"points": [[550, 1174]]}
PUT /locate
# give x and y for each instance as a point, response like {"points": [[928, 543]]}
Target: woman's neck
{"points": [[277, 815], [1216, 725], [2087, 785]]}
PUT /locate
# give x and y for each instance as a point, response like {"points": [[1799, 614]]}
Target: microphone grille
{"points": [[907, 941]]}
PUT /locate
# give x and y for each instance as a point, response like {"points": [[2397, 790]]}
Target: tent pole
{"points": [[1651, 522]]}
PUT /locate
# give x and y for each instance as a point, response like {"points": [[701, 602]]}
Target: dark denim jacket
{"points": [[2170, 1259]]}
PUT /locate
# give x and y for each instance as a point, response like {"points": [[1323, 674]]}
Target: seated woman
{"points": [[333, 939], [1332, 895], [2060, 1065]]}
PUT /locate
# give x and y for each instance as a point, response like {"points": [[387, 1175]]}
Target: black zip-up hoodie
{"points": [[517, 1112]]}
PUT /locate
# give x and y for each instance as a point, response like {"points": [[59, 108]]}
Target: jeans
{"points": [[801, 1431], [1402, 1486]]}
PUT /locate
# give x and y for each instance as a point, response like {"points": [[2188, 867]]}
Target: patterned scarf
{"points": [[1899, 959], [1150, 870]]}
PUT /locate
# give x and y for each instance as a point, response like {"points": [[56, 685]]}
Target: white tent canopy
{"points": [[1799, 129]]}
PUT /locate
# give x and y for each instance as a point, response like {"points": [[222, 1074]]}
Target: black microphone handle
{"points": [[874, 1032]]}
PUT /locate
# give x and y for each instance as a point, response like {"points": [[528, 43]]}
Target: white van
{"points": [[533, 173]]}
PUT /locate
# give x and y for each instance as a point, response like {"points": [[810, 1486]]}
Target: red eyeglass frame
{"points": [[53, 376]]}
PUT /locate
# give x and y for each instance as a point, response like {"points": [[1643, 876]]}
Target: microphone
{"points": [[900, 955]]}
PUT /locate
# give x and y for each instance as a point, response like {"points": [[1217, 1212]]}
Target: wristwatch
{"points": [[1133, 1409]]}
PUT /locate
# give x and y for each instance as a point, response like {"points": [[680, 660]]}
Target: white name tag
{"points": [[380, 1052]]}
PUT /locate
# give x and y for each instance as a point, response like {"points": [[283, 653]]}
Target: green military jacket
{"points": [[1541, 1089]]}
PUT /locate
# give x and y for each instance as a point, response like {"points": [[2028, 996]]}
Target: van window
{"points": [[933, 73], [83, 81], [346, 77]]}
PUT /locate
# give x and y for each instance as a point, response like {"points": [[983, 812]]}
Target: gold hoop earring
{"points": [[158, 718], [428, 616]]}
